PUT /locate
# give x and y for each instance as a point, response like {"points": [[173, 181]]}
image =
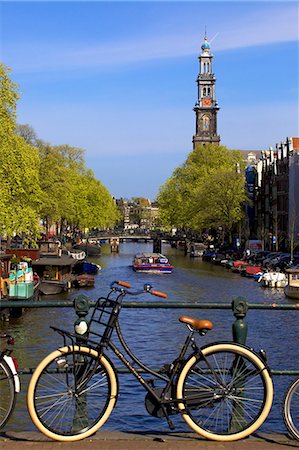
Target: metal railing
{"points": [[239, 307]]}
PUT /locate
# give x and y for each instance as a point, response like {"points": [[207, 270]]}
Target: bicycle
{"points": [[223, 390], [291, 409], [9, 381]]}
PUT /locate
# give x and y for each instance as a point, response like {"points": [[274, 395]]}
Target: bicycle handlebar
{"points": [[159, 294], [123, 283], [146, 288]]}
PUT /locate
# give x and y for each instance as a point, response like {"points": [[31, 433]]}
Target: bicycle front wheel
{"points": [[7, 393], [72, 393], [291, 409], [226, 393]]}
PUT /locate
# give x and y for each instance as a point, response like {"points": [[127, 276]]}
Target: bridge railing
{"points": [[239, 307]]}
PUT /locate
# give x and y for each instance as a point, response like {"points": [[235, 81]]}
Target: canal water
{"points": [[156, 335]]}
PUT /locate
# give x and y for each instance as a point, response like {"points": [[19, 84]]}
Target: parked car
{"points": [[270, 257], [276, 260], [259, 256]]}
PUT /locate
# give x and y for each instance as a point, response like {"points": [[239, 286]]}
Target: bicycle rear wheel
{"points": [[72, 393], [7, 393], [291, 409], [226, 394]]}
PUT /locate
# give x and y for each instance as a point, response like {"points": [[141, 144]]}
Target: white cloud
{"points": [[259, 27]]}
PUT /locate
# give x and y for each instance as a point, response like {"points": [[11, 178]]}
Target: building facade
{"points": [[277, 201], [206, 106]]}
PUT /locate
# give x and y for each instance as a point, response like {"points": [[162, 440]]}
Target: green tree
{"points": [[19, 165], [95, 207], [207, 191], [71, 193]]}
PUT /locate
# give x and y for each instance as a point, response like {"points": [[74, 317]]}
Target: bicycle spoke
{"points": [[224, 392], [72, 399]]}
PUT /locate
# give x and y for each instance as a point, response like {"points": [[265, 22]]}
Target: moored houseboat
{"points": [[291, 289], [152, 263], [55, 273]]}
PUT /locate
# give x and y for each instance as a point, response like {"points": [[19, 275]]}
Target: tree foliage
{"points": [[19, 165], [207, 191], [41, 181]]}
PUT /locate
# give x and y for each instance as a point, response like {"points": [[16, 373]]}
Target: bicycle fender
{"points": [[16, 379]]}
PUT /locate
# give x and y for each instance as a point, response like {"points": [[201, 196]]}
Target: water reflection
{"points": [[156, 335]]}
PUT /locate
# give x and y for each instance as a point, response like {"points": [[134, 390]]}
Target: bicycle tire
{"points": [[67, 400], [7, 393], [230, 405], [291, 409]]}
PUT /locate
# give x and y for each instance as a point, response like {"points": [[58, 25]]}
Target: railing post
{"points": [[239, 328], [81, 305]]}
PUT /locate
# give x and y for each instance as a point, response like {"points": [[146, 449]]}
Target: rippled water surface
{"points": [[156, 335]]}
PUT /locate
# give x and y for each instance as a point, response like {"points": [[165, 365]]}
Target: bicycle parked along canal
{"points": [[222, 390], [9, 380], [291, 409]]}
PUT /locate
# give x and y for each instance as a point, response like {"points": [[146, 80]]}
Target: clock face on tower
{"points": [[206, 102]]}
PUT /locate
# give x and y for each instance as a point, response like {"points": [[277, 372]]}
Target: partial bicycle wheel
{"points": [[72, 393], [291, 409], [7, 393], [226, 394]]}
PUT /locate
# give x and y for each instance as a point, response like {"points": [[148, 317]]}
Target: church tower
{"points": [[206, 107]]}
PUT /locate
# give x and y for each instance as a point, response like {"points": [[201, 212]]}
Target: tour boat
{"points": [[291, 289], [151, 263]]}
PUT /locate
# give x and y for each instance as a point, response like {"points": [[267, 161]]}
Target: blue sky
{"points": [[118, 79]]}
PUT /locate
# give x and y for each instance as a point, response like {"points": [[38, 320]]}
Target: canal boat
{"points": [[152, 263], [250, 271], [86, 267], [273, 279], [83, 280], [55, 273], [90, 248], [5, 265], [291, 289], [239, 265], [197, 249]]}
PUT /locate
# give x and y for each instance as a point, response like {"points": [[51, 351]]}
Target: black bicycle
{"points": [[222, 390], [9, 380]]}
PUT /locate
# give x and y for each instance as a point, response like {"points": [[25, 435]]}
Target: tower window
{"points": [[209, 92], [204, 92]]}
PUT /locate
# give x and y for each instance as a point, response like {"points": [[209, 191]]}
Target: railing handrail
{"points": [[239, 326], [144, 304]]}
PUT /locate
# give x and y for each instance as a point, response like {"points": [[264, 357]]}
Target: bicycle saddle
{"points": [[197, 324]]}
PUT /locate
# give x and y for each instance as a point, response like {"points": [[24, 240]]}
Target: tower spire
{"points": [[206, 106]]}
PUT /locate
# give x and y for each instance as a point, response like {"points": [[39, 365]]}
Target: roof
{"points": [[63, 260]]}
